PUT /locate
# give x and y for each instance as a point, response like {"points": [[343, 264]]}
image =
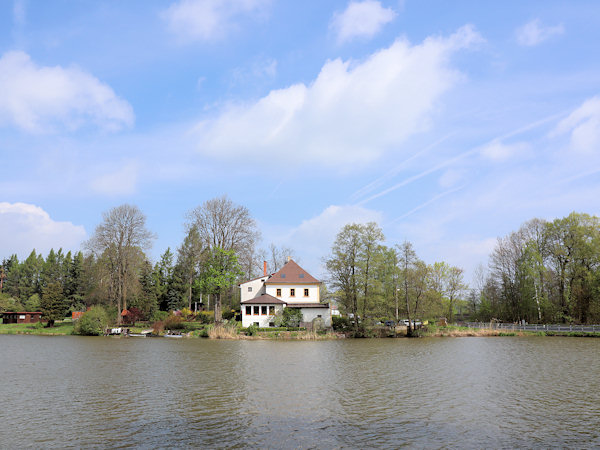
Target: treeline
{"points": [[372, 280], [545, 272], [219, 248]]}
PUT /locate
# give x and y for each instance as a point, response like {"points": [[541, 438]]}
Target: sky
{"points": [[448, 123]]}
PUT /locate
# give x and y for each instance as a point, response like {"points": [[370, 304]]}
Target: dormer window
{"points": [[283, 275], [301, 275]]}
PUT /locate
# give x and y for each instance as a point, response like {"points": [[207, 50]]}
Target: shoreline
{"points": [[231, 333]]}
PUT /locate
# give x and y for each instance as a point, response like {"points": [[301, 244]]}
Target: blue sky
{"points": [[448, 123]]}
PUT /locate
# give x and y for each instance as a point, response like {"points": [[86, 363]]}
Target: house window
{"points": [[249, 288], [248, 310], [319, 315], [271, 310], [292, 292], [278, 292], [306, 292], [256, 310], [256, 324], [271, 324], [263, 310]]}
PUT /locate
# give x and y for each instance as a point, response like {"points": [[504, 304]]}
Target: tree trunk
{"points": [[218, 314]]}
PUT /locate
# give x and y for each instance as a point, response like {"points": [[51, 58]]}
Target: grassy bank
{"points": [[452, 331], [59, 329]]}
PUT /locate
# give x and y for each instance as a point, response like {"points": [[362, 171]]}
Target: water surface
{"points": [[422, 393]]}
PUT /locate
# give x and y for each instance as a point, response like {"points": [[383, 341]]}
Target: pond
{"points": [[386, 393]]}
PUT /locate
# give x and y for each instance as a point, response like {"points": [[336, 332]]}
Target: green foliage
{"points": [[52, 304], [8, 303], [251, 330], [341, 323], [33, 303], [228, 314], [174, 323], [159, 316], [92, 322], [206, 317], [291, 317]]}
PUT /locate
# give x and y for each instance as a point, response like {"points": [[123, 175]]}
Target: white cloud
{"points": [[583, 124], [534, 33], [352, 113], [313, 238], [24, 227], [38, 99], [497, 151], [204, 20], [19, 12], [121, 181], [361, 20]]}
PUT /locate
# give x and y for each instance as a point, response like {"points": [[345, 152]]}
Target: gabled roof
{"points": [[264, 299], [292, 273], [254, 279]]}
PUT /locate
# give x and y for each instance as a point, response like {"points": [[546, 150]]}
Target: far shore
{"points": [[231, 332]]}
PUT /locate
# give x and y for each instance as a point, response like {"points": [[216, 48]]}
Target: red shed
{"points": [[21, 317]]}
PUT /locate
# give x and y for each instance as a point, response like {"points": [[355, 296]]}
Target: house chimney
{"points": [[265, 268], [289, 258]]}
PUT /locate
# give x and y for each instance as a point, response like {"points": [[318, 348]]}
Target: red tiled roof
{"points": [[264, 299], [292, 273]]}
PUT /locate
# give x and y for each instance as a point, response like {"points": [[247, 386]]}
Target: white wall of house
{"points": [[286, 289], [262, 319], [309, 314], [253, 288]]}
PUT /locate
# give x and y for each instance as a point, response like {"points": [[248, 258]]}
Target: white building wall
{"points": [[252, 289], [309, 314], [263, 320], [313, 292]]}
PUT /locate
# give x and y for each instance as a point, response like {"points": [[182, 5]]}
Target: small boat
{"points": [[173, 334], [136, 335]]}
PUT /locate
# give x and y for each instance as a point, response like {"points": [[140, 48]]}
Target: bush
{"points": [[206, 317], [159, 316], [92, 322], [174, 323], [228, 314], [251, 330], [340, 323]]}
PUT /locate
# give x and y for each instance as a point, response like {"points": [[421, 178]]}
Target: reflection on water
{"points": [[434, 393]]}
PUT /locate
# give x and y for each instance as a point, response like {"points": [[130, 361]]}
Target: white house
{"points": [[291, 287]]}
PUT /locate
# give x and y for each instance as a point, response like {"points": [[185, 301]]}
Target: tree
{"points": [[343, 266], [222, 224], [278, 256], [120, 238], [371, 237], [408, 260], [53, 303], [189, 257], [219, 272]]}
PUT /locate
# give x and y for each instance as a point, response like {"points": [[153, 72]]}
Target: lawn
{"points": [[59, 328]]}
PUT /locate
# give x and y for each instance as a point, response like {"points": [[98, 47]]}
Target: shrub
{"points": [[251, 330], [92, 322], [174, 323], [340, 323], [228, 314], [159, 316], [207, 317]]}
